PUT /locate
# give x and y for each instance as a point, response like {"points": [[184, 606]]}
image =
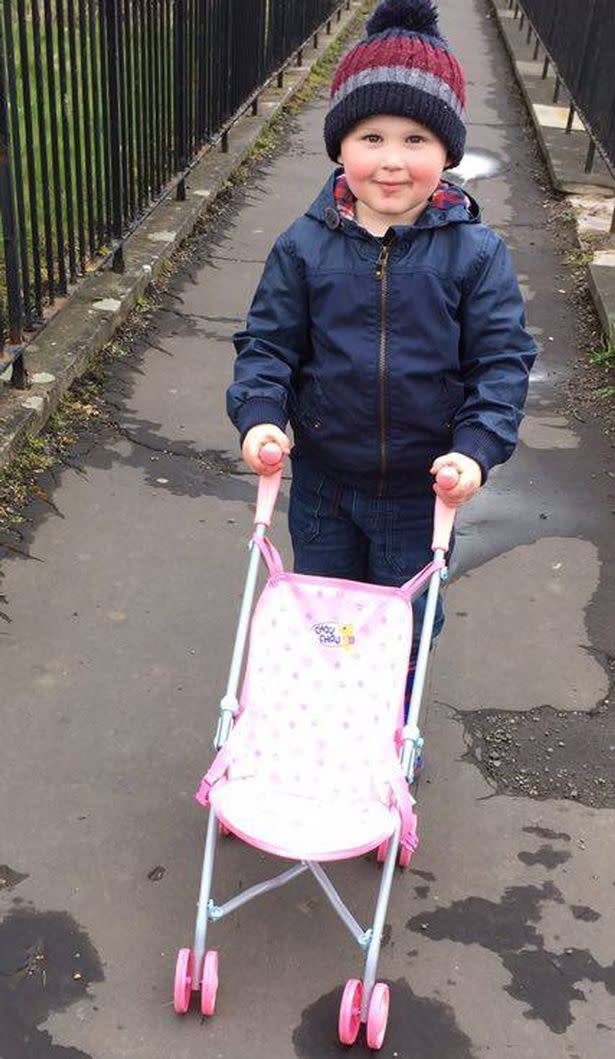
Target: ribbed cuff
{"points": [[258, 410], [479, 445]]}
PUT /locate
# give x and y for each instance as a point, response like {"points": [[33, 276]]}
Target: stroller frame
{"points": [[208, 910]]}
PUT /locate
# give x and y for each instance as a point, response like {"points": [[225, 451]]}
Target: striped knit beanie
{"points": [[403, 67]]}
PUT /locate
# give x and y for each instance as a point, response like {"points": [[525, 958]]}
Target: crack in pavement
{"points": [[212, 460]]}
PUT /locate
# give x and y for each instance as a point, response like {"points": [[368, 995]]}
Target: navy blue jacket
{"points": [[385, 353]]}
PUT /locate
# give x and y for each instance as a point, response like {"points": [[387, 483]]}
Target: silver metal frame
{"points": [[413, 740], [208, 911]]}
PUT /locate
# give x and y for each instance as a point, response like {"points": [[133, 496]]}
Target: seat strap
{"points": [[413, 588], [214, 774], [270, 554], [405, 803]]}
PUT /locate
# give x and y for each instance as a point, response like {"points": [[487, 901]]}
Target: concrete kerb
{"points": [[564, 154], [103, 300]]}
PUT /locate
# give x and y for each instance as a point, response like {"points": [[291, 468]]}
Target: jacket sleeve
{"points": [[496, 357], [273, 343]]}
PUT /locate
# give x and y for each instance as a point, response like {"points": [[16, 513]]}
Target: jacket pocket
{"points": [[308, 405]]}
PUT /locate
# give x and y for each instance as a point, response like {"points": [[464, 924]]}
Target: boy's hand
{"points": [[469, 481], [253, 443]]}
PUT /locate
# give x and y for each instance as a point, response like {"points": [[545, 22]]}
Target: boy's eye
{"points": [[372, 137], [416, 138]]}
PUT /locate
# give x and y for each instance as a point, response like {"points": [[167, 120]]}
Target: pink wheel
{"points": [[381, 852], [377, 1015], [182, 986], [209, 982], [224, 830], [350, 1011]]}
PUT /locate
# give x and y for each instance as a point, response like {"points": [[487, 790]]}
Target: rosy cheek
{"points": [[357, 171], [427, 170], [361, 175]]}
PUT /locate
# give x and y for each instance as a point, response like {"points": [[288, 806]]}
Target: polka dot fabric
{"points": [[312, 768]]}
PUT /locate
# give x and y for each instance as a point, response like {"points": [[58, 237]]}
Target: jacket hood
{"points": [[449, 205]]}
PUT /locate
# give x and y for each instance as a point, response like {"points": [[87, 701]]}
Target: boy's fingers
{"points": [[463, 491]]}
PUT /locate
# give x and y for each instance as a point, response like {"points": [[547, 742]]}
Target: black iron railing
{"points": [[104, 105], [578, 40]]}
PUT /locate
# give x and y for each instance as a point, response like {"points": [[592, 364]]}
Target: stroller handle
{"points": [[444, 514], [268, 484]]}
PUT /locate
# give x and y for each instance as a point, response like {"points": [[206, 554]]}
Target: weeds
{"points": [[604, 358], [578, 258]]}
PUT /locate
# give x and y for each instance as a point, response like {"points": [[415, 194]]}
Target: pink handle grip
{"points": [[444, 516], [268, 485]]}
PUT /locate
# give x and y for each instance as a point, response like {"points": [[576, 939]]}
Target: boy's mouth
{"points": [[390, 185]]}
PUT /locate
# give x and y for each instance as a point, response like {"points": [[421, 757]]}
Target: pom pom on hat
{"points": [[402, 67], [417, 16]]}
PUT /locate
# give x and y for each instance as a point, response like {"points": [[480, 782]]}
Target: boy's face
{"points": [[392, 165]]}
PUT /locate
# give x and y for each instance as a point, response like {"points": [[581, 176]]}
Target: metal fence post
{"points": [[16, 162], [7, 210], [179, 83], [115, 140], [558, 85]]}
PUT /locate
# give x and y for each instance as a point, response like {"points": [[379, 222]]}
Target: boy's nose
{"points": [[392, 161]]}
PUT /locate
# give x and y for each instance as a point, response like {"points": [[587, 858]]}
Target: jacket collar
{"points": [[334, 207]]}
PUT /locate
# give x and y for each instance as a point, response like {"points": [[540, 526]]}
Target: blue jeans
{"points": [[340, 532]]}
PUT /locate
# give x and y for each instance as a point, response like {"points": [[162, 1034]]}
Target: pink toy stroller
{"points": [[314, 761]]}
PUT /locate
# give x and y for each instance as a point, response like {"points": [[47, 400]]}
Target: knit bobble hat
{"points": [[403, 67]]}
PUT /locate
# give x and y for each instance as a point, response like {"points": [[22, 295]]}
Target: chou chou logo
{"points": [[334, 634]]}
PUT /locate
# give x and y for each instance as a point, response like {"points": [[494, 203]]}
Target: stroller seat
{"points": [[295, 825], [311, 770]]}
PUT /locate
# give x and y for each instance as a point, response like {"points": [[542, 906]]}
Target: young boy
{"points": [[388, 326]]}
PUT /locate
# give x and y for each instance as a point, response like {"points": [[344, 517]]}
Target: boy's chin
{"points": [[393, 209]]}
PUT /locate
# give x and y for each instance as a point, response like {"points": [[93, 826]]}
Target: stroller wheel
{"points": [[377, 1015], [350, 1011], [209, 982], [182, 986]]}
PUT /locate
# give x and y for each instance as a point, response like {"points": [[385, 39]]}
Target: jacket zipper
{"points": [[382, 275]]}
